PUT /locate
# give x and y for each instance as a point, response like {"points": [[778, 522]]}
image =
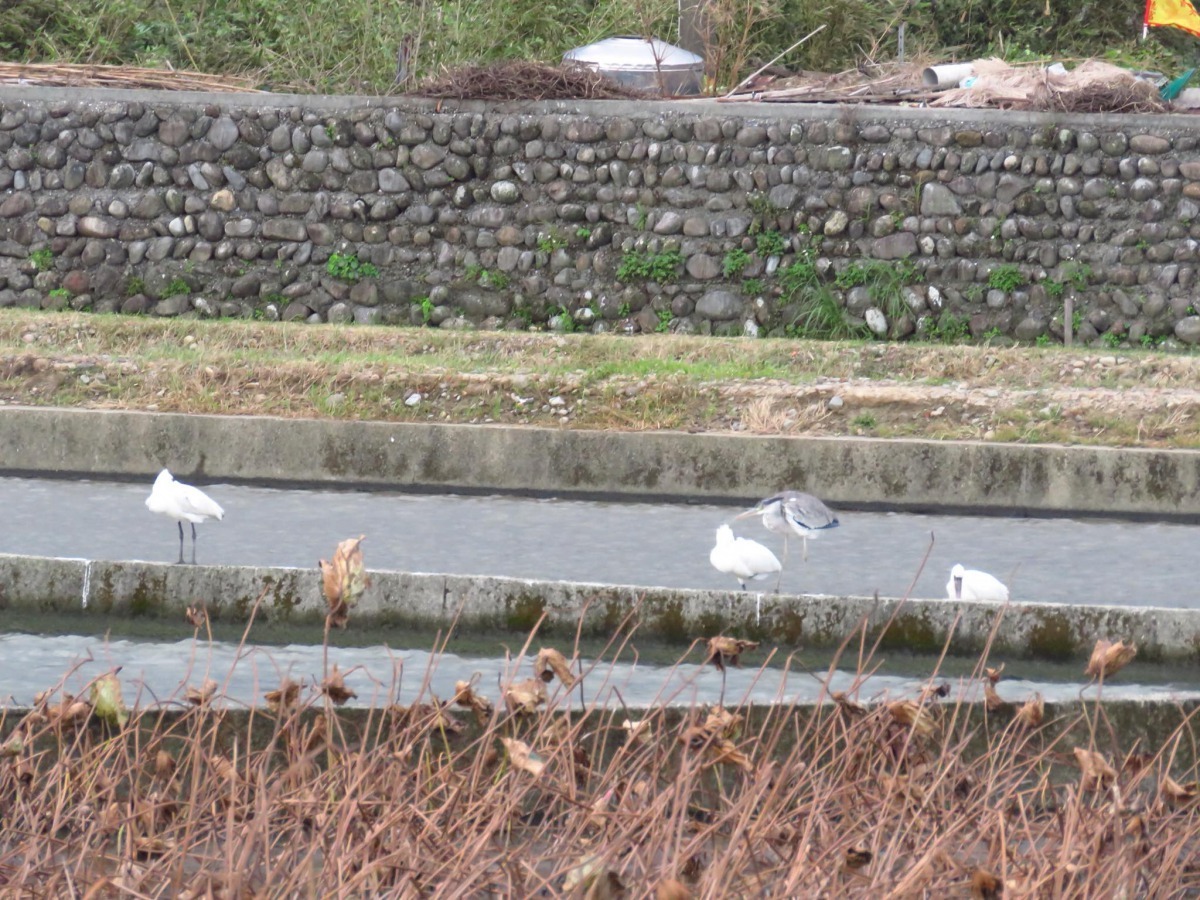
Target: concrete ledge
{"points": [[11, 95], [855, 472], [399, 599]]}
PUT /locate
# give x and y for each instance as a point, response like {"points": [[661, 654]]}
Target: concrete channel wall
{"points": [[859, 473], [514, 606]]}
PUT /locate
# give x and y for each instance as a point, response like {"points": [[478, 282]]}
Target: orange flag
{"points": [[1176, 13]]}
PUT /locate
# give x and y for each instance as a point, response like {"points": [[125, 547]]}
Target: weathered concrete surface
{"points": [[856, 472], [1046, 631]]}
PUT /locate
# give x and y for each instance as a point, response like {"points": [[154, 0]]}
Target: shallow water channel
{"points": [[159, 671], [1047, 560]]}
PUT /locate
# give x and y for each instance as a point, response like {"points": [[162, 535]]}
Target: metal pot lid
{"points": [[632, 52]]}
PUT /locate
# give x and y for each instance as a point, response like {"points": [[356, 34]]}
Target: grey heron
{"points": [[971, 584], [183, 503], [793, 512]]}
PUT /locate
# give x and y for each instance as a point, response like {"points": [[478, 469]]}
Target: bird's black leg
{"points": [[180, 524], [193, 543], [779, 580]]}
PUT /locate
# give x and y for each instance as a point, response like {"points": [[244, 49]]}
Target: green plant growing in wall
{"points": [[1005, 278], [177, 288], [60, 294], [583, 232], [426, 309], [884, 282], [664, 321], [348, 267], [769, 243], [661, 267], [1112, 339], [134, 286], [949, 329], [1054, 288], [735, 261], [565, 319], [753, 286], [487, 278], [1077, 274], [623, 310], [548, 243], [42, 258], [641, 217]]}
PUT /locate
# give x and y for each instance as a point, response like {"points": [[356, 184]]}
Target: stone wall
{"points": [[694, 217]]}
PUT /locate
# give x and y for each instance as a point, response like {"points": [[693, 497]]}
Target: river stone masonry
{"points": [[693, 217]]}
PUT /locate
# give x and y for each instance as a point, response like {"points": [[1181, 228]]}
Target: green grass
{"points": [[350, 45]]}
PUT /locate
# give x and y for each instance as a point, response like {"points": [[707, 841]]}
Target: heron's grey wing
{"points": [[808, 511]]}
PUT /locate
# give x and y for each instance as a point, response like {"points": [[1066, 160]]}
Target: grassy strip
{"points": [[535, 785], [351, 47], [1140, 398]]}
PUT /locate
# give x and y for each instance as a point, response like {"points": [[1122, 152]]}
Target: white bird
{"points": [[793, 512], [183, 503], [744, 559], [971, 584]]}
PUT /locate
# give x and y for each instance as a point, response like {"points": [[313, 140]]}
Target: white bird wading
{"points": [[183, 503]]}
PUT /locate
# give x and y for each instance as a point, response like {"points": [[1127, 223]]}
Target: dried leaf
{"points": [[1136, 826], [903, 787], [464, 695], [316, 737], [107, 701], [522, 757], [637, 731], [1097, 773], [985, 885], [1032, 712], [344, 580], [727, 651], [1136, 763], [334, 687], [724, 750], [1179, 793], [283, 698], [197, 616], [991, 699], [993, 675], [856, 858], [593, 880], [671, 889], [1108, 658], [848, 707], [146, 846], [69, 712], [524, 697], [203, 694], [551, 663], [164, 765], [931, 692], [721, 722], [913, 715]]}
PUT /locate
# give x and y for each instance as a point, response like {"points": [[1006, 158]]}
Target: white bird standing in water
{"points": [[183, 503], [744, 559], [971, 584], [793, 512]]}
